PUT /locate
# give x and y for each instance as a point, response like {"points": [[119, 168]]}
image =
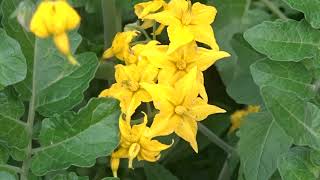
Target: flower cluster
{"points": [[170, 76], [55, 18], [238, 116]]}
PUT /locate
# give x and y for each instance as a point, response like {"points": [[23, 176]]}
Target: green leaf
{"points": [[296, 165], [299, 119], [77, 139], [13, 67], [13, 132], [69, 176], [15, 30], [289, 76], [242, 87], [284, 40], [156, 171], [5, 175], [4, 155], [110, 178], [225, 26], [261, 143], [310, 8]]}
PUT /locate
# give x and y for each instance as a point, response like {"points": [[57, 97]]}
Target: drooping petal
{"points": [[201, 110], [179, 35], [148, 155], [120, 153], [204, 34], [203, 14], [187, 130], [133, 105], [153, 145]]}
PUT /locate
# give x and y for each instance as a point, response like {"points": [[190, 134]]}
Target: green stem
{"points": [[11, 168], [224, 173], [215, 139], [112, 22], [154, 29], [26, 163], [274, 9]]}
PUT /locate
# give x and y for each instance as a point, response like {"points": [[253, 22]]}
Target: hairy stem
{"points": [[274, 9], [215, 139], [30, 121]]}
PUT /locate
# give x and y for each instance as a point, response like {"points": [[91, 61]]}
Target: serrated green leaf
{"points": [[242, 87], [299, 119], [289, 76], [77, 139], [310, 8], [156, 171], [13, 67], [261, 143], [284, 40], [69, 176], [13, 132], [296, 165]]}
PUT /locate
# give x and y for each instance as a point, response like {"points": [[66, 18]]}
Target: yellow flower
{"points": [[180, 108], [136, 142], [176, 65], [121, 46], [55, 18], [238, 116], [127, 88], [145, 8], [187, 22]]}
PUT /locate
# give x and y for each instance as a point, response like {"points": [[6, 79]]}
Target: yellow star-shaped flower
{"points": [[127, 88], [180, 108], [136, 142], [176, 65], [187, 22]]}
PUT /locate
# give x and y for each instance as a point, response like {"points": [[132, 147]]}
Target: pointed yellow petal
{"points": [[62, 43], [143, 9], [153, 145], [187, 87], [202, 14], [207, 58], [187, 130], [133, 105], [164, 124], [204, 34], [108, 54], [149, 155], [201, 110], [179, 35], [165, 17], [163, 96]]}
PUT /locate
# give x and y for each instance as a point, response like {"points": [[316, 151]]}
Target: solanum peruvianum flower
{"points": [[170, 76], [55, 18]]}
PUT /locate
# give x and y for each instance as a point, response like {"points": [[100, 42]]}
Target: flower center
{"points": [[180, 110], [133, 153], [181, 65], [131, 85]]}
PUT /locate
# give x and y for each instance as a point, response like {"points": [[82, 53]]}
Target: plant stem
{"points": [[274, 9], [154, 29], [30, 121], [11, 168], [112, 22], [215, 139], [224, 173]]}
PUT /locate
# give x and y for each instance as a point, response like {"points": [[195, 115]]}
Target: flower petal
{"points": [[164, 124], [201, 110], [207, 58], [204, 34], [203, 14], [179, 35], [187, 130]]}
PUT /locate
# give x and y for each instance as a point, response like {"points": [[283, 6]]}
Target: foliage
{"points": [[55, 122]]}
